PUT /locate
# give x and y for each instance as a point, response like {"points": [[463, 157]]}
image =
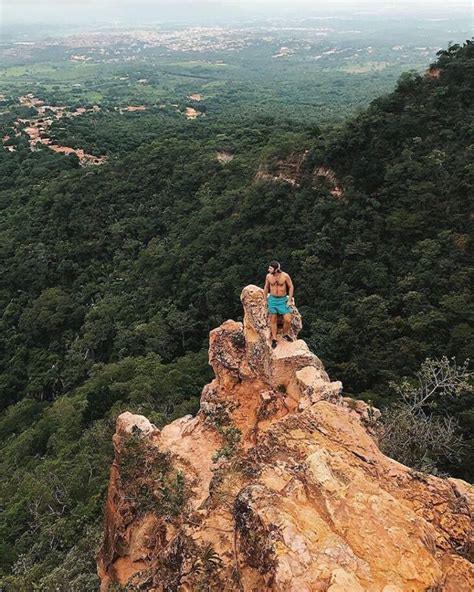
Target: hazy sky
{"points": [[74, 11]]}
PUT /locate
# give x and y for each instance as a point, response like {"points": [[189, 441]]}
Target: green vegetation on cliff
{"points": [[112, 278]]}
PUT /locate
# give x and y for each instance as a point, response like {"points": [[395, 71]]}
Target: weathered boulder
{"points": [[128, 423]]}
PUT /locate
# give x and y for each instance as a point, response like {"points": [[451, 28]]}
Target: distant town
{"points": [[53, 87]]}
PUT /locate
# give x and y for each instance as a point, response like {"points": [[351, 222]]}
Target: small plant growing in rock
{"points": [[172, 494], [185, 564], [372, 418], [255, 538], [139, 460], [207, 568], [351, 403], [232, 437], [151, 484]]}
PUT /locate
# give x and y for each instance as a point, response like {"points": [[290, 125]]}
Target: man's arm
{"points": [[291, 289], [266, 287]]}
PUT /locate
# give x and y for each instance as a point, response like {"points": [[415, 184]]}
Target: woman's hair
{"points": [[275, 265]]}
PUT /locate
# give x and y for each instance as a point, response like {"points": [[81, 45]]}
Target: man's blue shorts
{"points": [[278, 305]]}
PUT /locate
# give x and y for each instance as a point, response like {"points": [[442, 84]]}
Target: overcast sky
{"points": [[75, 11]]}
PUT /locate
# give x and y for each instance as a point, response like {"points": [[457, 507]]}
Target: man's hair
{"points": [[275, 265]]}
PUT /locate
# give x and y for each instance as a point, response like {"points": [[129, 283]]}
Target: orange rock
{"points": [[433, 72], [284, 487]]}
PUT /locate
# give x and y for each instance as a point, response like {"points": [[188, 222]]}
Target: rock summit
{"points": [[277, 484]]}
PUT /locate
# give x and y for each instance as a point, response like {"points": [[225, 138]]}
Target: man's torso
{"points": [[277, 283]]}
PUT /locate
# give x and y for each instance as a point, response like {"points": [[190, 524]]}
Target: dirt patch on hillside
{"points": [[224, 157], [192, 113], [133, 108]]}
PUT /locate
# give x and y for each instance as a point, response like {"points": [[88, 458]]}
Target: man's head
{"points": [[273, 267]]}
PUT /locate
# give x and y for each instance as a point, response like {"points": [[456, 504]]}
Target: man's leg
{"points": [[286, 326], [274, 325]]}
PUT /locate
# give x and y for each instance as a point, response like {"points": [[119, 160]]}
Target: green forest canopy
{"points": [[112, 278]]}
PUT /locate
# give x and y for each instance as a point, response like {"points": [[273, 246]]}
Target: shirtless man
{"points": [[280, 286]]}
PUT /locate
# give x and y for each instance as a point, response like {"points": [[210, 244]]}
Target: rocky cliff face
{"points": [[276, 485], [289, 170]]}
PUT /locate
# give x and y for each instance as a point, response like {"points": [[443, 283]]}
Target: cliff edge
{"points": [[276, 485]]}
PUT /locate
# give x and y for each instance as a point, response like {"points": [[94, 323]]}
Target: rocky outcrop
{"points": [[328, 177], [433, 72], [295, 168], [287, 170], [276, 485]]}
